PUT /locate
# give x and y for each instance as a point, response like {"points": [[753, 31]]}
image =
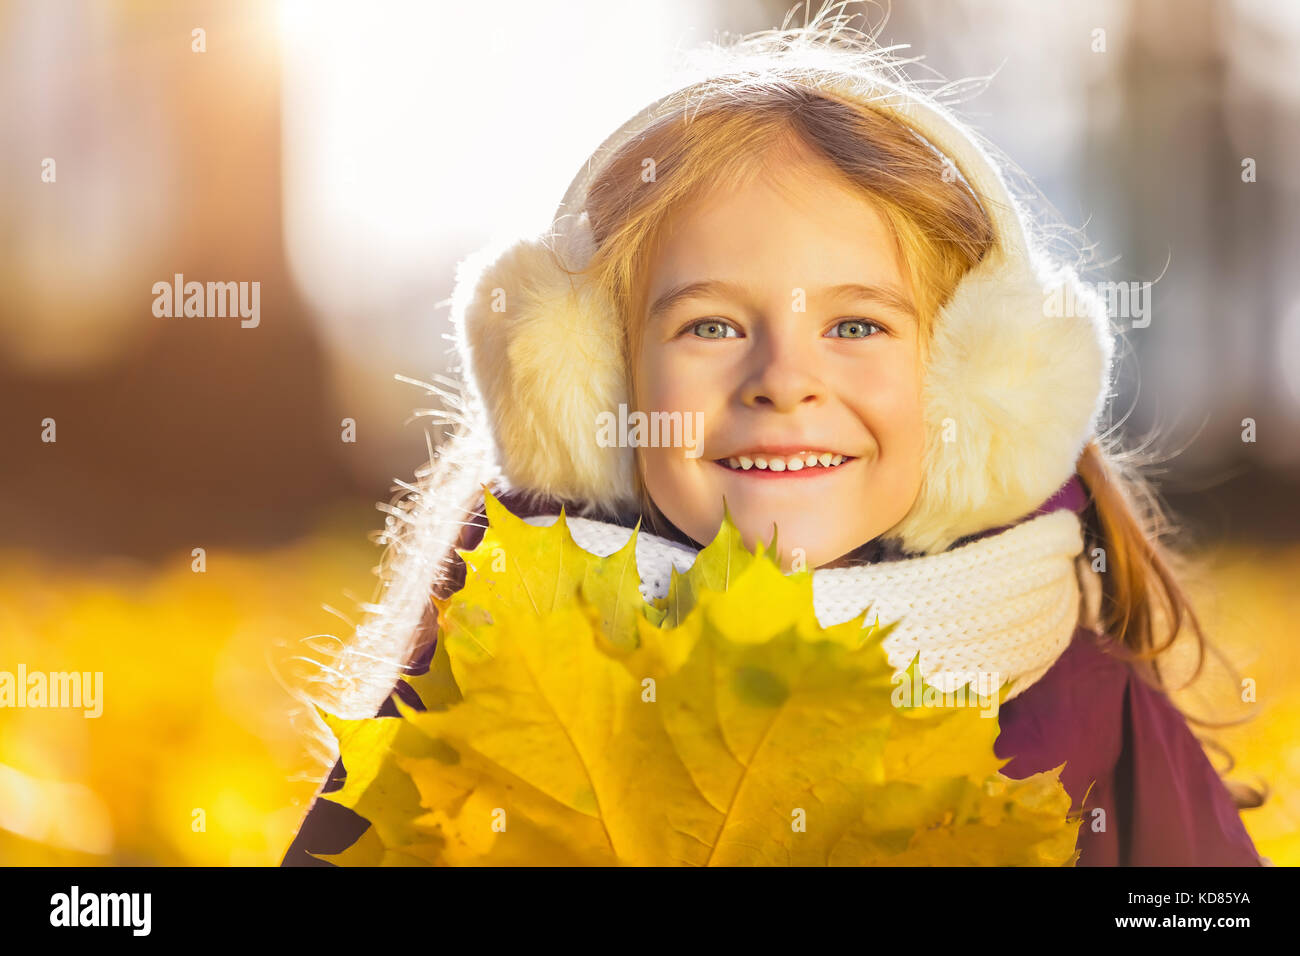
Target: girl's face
{"points": [[781, 314]]}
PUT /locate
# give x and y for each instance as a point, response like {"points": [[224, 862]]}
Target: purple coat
{"points": [[1163, 802]]}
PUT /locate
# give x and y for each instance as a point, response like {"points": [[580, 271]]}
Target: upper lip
{"points": [[783, 451]]}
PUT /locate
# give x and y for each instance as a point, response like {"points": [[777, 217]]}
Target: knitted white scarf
{"points": [[1004, 605]]}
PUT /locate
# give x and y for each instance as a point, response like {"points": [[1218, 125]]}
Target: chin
{"points": [[804, 529]]}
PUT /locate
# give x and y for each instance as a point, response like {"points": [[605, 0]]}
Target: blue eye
{"points": [[858, 329], [715, 329]]}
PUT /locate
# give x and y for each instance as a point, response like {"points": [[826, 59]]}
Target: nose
{"points": [[784, 375]]}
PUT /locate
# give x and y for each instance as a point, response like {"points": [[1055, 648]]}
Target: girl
{"points": [[823, 267]]}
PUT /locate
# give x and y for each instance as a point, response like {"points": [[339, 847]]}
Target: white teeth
{"points": [[807, 459]]}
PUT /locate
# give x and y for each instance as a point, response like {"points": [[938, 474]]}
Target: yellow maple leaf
{"points": [[569, 722]]}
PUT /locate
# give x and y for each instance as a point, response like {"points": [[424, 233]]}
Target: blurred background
{"points": [[345, 156]]}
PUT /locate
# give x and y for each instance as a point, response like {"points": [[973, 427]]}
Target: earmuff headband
{"points": [[1012, 389]]}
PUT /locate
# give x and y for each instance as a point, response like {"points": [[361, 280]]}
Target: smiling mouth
{"points": [[813, 462]]}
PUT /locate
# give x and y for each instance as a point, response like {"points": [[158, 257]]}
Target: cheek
{"points": [[672, 380], [676, 380], [891, 404], [657, 388], [653, 380]]}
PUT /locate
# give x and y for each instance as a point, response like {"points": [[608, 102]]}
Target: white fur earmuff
{"points": [[547, 358]]}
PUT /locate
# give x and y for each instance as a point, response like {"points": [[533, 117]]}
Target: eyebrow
{"points": [[887, 296]]}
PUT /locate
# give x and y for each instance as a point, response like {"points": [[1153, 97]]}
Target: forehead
{"points": [[789, 225]]}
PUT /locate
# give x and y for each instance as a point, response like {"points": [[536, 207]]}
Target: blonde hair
{"points": [[727, 131]]}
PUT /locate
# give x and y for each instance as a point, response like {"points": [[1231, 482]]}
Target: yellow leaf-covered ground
{"points": [[195, 719], [1249, 604]]}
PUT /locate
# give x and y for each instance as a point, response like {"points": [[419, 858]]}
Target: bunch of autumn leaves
{"points": [[569, 722]]}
